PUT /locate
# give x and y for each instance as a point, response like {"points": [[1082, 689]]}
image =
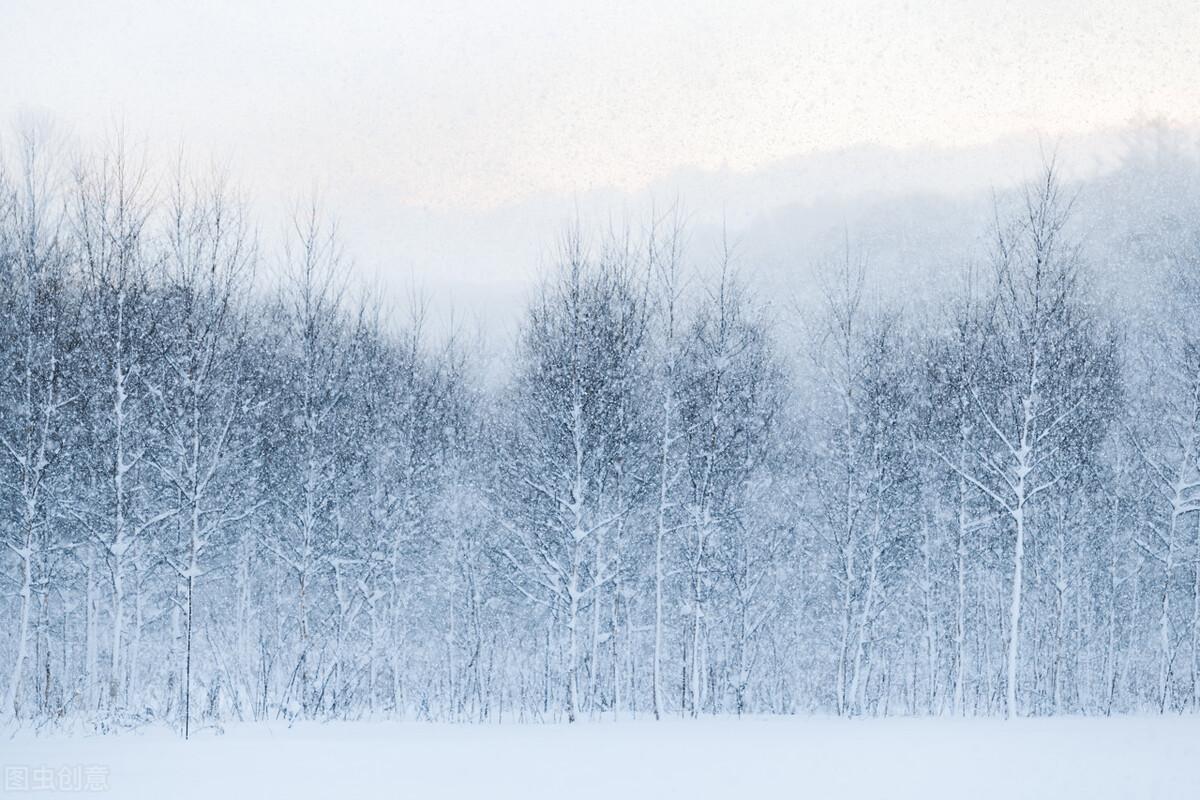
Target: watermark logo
{"points": [[50, 778]]}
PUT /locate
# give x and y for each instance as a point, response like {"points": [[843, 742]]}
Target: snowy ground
{"points": [[1141, 757]]}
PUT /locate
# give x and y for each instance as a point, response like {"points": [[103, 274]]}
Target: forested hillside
{"points": [[236, 485]]}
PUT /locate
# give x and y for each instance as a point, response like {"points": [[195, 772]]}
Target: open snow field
{"points": [[1141, 757]]}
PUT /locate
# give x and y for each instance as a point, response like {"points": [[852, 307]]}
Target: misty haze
{"points": [[535, 400]]}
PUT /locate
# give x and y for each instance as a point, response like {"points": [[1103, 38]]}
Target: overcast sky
{"points": [[459, 108]]}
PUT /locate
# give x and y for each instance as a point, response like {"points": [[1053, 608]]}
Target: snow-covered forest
{"points": [[238, 486]]}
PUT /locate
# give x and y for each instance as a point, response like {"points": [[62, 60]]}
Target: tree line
{"points": [[235, 487]]}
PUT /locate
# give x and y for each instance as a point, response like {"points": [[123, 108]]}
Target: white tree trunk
{"points": [[928, 602], [22, 642], [1014, 612], [1164, 616], [960, 605]]}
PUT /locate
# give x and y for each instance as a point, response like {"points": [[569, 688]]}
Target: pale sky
{"points": [[459, 108], [464, 104]]}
